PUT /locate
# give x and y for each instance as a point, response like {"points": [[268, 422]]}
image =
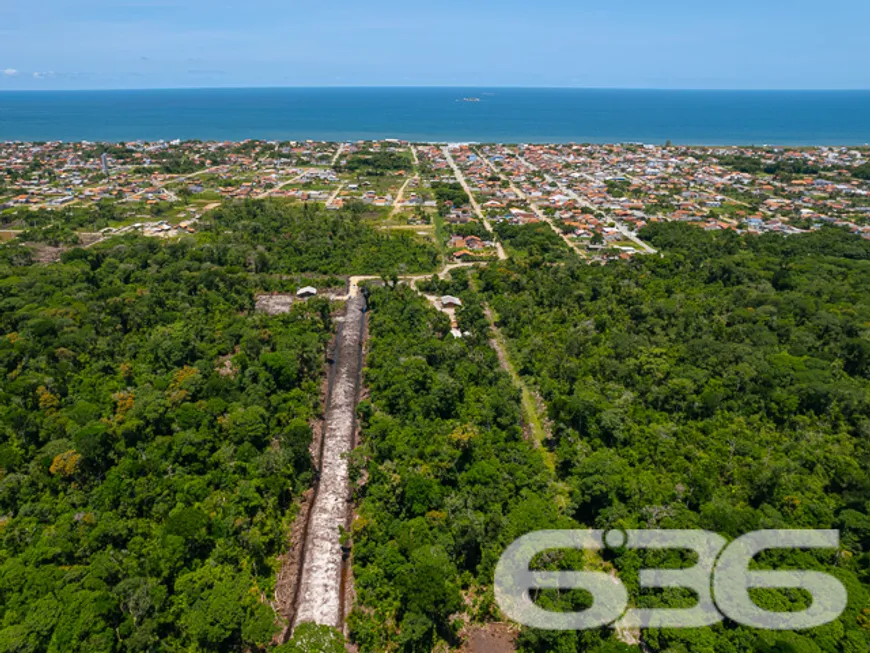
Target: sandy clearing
{"points": [[320, 590]]}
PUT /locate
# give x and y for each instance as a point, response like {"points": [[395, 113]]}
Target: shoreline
{"points": [[367, 138]]}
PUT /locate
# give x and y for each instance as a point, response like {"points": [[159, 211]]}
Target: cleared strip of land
{"points": [[320, 590]]}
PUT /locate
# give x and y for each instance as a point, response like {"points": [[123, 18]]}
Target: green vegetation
{"points": [[153, 435], [277, 236], [862, 171], [474, 228], [724, 387], [793, 167], [618, 188], [449, 192], [535, 242], [450, 479], [179, 165], [752, 165], [54, 235], [311, 638], [154, 429], [748, 164], [378, 163], [95, 217]]}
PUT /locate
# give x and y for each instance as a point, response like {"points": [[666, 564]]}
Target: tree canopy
{"points": [[280, 237], [153, 435], [722, 386]]}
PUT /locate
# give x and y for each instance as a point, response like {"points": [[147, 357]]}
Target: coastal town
{"points": [[458, 327], [476, 202]]}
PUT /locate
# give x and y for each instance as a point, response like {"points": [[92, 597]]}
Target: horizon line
{"points": [[434, 86]]}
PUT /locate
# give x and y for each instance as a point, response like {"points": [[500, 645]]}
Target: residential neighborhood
{"points": [[590, 198]]}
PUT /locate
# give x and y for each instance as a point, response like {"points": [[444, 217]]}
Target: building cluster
{"points": [[747, 189], [599, 196], [50, 175]]}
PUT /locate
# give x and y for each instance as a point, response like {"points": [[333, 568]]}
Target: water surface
{"points": [[440, 114]]}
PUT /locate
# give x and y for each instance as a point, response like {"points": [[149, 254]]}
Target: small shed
{"points": [[449, 301], [307, 291]]}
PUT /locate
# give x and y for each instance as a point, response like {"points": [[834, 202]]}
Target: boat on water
{"points": [[471, 99]]}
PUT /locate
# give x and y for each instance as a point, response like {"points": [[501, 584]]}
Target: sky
{"points": [[687, 44]]}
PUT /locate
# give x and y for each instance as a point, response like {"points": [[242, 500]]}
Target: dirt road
{"points": [[474, 205], [319, 598], [537, 211]]}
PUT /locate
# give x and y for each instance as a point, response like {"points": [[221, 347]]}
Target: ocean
{"points": [[442, 115]]}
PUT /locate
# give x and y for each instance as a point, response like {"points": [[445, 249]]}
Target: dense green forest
{"points": [[178, 164], [154, 429], [54, 235], [534, 242], [450, 481], [723, 386], [260, 235], [377, 163], [754, 166], [276, 236], [153, 433]]}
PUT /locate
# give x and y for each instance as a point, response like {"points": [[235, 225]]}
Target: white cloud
{"points": [[43, 75], [10, 72]]}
